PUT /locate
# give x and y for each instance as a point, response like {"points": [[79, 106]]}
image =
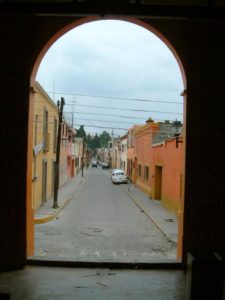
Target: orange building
{"points": [[157, 170], [168, 173], [131, 155], [143, 164]]}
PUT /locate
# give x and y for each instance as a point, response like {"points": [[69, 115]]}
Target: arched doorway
{"points": [[77, 23]]}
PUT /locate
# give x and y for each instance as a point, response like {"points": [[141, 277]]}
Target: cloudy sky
{"points": [[112, 74]]}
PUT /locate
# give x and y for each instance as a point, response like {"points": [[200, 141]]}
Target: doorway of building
{"points": [[94, 230], [158, 183]]}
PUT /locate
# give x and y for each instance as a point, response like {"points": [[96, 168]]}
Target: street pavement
{"points": [[163, 219]]}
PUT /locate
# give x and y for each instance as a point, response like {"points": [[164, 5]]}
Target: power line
{"points": [[110, 115], [118, 98], [107, 121], [118, 116], [106, 127], [87, 121], [127, 109]]}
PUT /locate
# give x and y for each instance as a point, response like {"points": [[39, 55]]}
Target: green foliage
{"points": [[94, 142], [81, 132], [104, 139]]}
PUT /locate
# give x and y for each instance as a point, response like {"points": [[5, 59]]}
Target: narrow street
{"points": [[102, 223]]}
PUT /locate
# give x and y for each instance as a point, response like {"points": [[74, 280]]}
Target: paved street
{"points": [[102, 223]]}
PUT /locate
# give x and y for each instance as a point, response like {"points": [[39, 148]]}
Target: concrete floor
{"points": [[46, 283]]}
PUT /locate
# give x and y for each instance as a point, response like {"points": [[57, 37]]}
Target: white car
{"points": [[113, 170], [118, 176]]}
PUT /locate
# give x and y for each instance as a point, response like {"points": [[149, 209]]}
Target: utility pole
{"points": [[56, 179], [82, 167]]}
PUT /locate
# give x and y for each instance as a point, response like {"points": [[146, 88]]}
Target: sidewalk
{"points": [[162, 218], [47, 213]]}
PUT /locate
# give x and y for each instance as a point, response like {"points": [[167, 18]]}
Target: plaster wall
{"points": [[41, 103], [143, 151], [170, 158]]}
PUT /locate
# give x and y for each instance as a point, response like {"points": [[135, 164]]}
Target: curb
{"points": [[50, 217], [148, 215]]}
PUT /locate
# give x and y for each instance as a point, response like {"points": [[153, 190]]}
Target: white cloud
{"points": [[113, 58]]}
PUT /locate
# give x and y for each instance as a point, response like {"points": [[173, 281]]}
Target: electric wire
{"points": [[119, 116], [109, 115], [128, 109], [116, 98], [108, 121]]}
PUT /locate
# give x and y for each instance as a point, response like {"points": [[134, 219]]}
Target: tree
{"points": [[81, 132], [96, 142], [104, 139], [89, 141]]}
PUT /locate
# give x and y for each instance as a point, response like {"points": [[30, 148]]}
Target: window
{"points": [[35, 130], [146, 172], [139, 170], [45, 131]]}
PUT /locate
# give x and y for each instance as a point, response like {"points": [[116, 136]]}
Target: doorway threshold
{"points": [[65, 262]]}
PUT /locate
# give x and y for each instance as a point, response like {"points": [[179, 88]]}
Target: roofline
{"points": [[146, 126], [41, 90]]}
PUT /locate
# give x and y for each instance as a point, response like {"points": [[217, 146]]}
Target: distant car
{"points": [[118, 176], [105, 165], [94, 164]]}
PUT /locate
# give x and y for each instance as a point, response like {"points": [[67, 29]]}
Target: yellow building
{"points": [[44, 146]]}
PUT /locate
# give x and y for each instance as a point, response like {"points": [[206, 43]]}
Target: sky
{"points": [[112, 75]]}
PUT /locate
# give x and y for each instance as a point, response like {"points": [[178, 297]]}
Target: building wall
{"points": [[78, 149], [124, 155], [130, 162], [131, 154], [167, 158], [170, 158], [143, 152], [116, 153], [63, 171], [43, 103]]}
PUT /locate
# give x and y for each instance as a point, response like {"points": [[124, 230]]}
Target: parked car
{"points": [[105, 165], [113, 171], [94, 163], [118, 176]]}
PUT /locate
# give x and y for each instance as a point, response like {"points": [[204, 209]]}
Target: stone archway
{"points": [[44, 50]]}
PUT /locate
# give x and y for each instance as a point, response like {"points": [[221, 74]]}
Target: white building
{"points": [[123, 158]]}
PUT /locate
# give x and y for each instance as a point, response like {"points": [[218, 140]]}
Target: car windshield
{"points": [[119, 173]]}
